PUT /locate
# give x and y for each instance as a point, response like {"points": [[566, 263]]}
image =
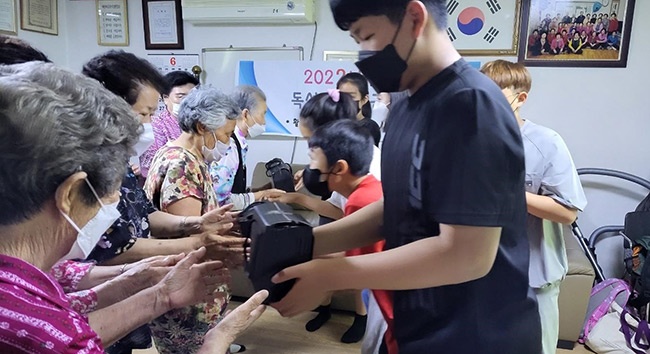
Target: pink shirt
{"points": [[68, 274], [165, 128], [35, 315]]}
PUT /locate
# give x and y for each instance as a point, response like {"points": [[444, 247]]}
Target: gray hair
{"points": [[208, 106], [249, 97], [54, 123]]}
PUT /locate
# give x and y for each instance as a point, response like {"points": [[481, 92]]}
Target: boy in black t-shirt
{"points": [[453, 214]]}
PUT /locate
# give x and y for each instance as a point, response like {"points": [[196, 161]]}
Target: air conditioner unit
{"points": [[251, 11]]}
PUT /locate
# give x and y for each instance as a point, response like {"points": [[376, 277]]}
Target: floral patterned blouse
{"points": [[175, 174], [134, 208], [68, 274]]}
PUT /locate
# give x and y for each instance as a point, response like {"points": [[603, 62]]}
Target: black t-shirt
{"points": [[457, 136]]}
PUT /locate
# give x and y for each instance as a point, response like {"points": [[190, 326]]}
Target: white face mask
{"points": [[145, 141], [176, 107], [215, 154], [379, 112], [89, 235], [256, 130]]}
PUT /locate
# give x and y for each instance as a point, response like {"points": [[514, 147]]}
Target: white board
{"points": [[221, 65]]}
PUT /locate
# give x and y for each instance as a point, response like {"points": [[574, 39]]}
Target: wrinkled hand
{"points": [[228, 249], [308, 292], [149, 271], [191, 282], [220, 220], [297, 179], [218, 339], [287, 198]]}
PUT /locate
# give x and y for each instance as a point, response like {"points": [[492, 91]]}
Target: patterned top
{"points": [[35, 316], [165, 129], [134, 208], [223, 171], [176, 174], [68, 274]]}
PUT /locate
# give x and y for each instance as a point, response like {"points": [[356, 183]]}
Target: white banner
{"points": [[289, 84]]}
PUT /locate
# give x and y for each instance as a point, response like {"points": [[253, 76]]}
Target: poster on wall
{"points": [[288, 85]]}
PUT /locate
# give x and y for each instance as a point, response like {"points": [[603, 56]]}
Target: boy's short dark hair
{"points": [[179, 78], [347, 12], [345, 140]]}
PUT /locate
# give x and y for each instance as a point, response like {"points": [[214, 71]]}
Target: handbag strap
{"points": [[642, 332]]}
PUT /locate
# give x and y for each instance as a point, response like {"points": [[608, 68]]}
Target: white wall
{"points": [[600, 112]]}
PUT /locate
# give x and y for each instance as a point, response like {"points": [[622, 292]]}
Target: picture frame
{"points": [[597, 44], [8, 17], [341, 55], [39, 16], [112, 22], [484, 27], [163, 24]]}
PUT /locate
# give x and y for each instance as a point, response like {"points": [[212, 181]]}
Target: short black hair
{"points": [[321, 109], [124, 74], [16, 51], [361, 83], [345, 140], [179, 78], [346, 12]]}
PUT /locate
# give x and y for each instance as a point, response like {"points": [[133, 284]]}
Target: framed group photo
{"points": [[484, 27], [576, 33]]}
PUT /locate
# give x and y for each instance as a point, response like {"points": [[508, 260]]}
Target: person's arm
{"points": [[471, 249], [187, 283], [218, 339], [148, 247], [315, 204], [188, 206], [548, 208], [165, 225], [359, 229]]}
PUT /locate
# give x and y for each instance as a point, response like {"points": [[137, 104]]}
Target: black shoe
{"points": [[356, 332], [324, 314]]}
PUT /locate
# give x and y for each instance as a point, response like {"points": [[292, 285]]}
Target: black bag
{"points": [[280, 238], [280, 174]]}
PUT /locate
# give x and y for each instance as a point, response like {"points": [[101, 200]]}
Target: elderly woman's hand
{"points": [[149, 271], [191, 282], [233, 324], [229, 249], [219, 220]]}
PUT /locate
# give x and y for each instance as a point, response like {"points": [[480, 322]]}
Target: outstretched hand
{"points": [[191, 282], [234, 323], [228, 249], [219, 220]]}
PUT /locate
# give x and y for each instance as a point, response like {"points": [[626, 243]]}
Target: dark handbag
{"points": [[281, 175], [280, 238]]}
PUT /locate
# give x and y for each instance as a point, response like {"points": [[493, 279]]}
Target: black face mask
{"points": [[384, 68], [311, 179]]}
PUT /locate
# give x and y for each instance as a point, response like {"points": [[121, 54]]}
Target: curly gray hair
{"points": [[249, 97], [208, 106], [52, 123]]}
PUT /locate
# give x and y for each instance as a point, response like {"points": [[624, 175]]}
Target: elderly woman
{"points": [[66, 139], [179, 183]]}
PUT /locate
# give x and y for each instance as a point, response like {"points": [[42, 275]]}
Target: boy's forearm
{"points": [[321, 207], [359, 229], [420, 264], [548, 208]]}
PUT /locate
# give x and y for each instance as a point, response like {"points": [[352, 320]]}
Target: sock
{"points": [[324, 314], [356, 331]]}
